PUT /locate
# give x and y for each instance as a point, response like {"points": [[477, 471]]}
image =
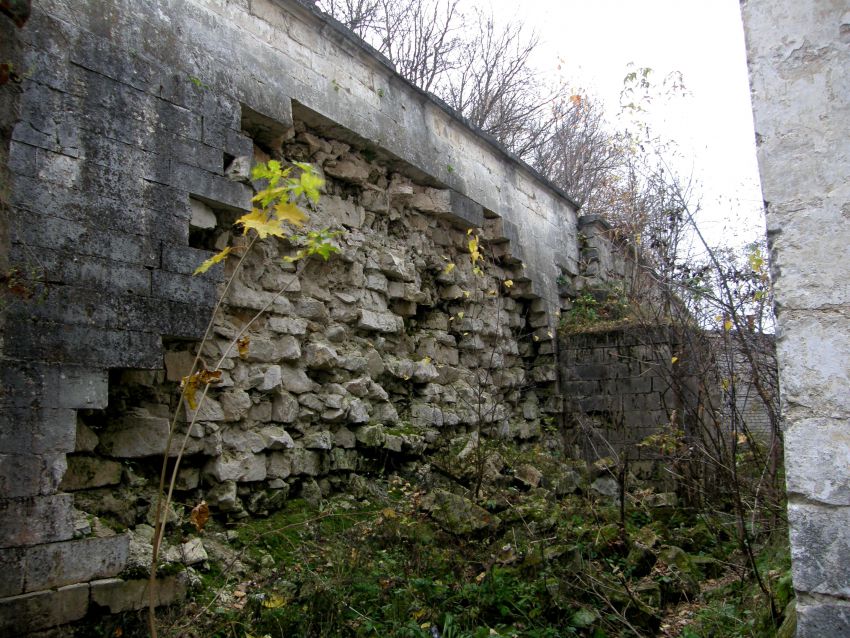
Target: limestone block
{"points": [[818, 538], [261, 411], [276, 280], [812, 350], [349, 168], [86, 440], [358, 387], [237, 466], [396, 266], [320, 356], [43, 609], [178, 365], [240, 440], [208, 410], [276, 438], [456, 514], [353, 363], [193, 552], [431, 200], [118, 595], [313, 309], [343, 459], [279, 465], [188, 478], [425, 415], [317, 440], [528, 475], [816, 619], [370, 435], [223, 496], [376, 281], [288, 325], [305, 461], [344, 438], [295, 380], [85, 472], [271, 379], [244, 297], [284, 407], [139, 434], [288, 349], [334, 210], [385, 413], [817, 453], [58, 564], [235, 404], [386, 322], [358, 412], [393, 442]]}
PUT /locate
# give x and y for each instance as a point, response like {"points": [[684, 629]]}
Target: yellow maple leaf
{"points": [[727, 325], [212, 261], [289, 212], [474, 253], [260, 222], [449, 268], [674, 359], [243, 345], [509, 283]]}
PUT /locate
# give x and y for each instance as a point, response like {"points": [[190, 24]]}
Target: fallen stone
{"points": [[456, 514]]}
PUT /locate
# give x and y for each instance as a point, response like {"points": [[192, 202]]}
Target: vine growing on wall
{"points": [[279, 208]]}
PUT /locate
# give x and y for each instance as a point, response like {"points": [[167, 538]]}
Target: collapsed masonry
{"points": [[129, 147]]}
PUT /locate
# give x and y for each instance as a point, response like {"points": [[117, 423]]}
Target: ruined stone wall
{"points": [[617, 387], [127, 164], [799, 53]]}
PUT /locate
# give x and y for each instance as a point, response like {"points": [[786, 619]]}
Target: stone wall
{"points": [[617, 384], [127, 164], [798, 56]]}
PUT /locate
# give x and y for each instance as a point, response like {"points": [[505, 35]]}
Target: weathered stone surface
{"points": [[193, 552], [237, 466], [58, 564], [288, 325], [223, 496], [370, 435], [380, 322], [457, 514], [234, 404], [85, 472], [119, 595], [295, 380], [276, 438], [136, 435], [55, 514], [284, 408], [317, 440], [792, 47], [43, 609]]}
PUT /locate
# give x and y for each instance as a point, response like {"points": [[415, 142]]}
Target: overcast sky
{"points": [[594, 41]]}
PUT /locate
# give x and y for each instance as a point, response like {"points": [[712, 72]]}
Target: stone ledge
{"points": [[43, 609], [119, 595]]}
